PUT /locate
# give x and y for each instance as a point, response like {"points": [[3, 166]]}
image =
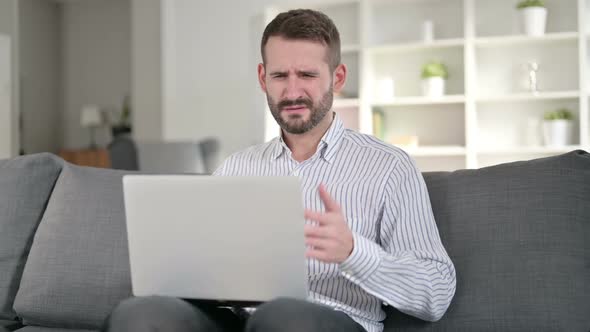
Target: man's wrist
{"points": [[364, 259]]}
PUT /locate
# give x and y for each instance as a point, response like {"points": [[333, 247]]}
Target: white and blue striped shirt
{"points": [[398, 258]]}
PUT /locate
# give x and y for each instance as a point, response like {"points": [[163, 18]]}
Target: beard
{"points": [[295, 123]]}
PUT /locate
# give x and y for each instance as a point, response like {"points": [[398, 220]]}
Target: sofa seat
{"points": [[49, 329]]}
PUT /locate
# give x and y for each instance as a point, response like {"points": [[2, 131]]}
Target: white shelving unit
{"points": [[488, 115]]}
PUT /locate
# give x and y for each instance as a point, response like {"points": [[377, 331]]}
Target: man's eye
{"points": [[308, 75], [279, 76]]}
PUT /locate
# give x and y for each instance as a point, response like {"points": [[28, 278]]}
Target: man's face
{"points": [[298, 83]]}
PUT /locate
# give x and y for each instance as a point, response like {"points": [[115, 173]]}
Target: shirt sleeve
{"points": [[220, 171], [410, 269]]}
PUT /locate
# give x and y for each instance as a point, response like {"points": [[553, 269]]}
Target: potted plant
{"points": [[122, 125], [558, 128], [434, 75], [534, 17]]}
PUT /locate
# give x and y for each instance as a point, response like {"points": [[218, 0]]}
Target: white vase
{"points": [[558, 132], [433, 87], [427, 31], [385, 89], [534, 20]]}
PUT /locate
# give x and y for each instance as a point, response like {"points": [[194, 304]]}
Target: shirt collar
{"points": [[328, 144]]}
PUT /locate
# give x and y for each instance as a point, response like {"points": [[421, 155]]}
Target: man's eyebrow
{"points": [[277, 72], [308, 72]]}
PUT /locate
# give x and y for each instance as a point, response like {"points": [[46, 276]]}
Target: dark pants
{"points": [[171, 314]]}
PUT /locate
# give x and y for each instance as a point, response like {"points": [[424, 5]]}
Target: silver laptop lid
{"points": [[216, 238]]}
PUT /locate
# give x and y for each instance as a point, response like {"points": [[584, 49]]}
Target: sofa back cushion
{"points": [[25, 186], [78, 268], [519, 237]]}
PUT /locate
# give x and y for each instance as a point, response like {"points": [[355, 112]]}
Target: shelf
{"points": [[529, 97], [528, 150], [406, 101], [488, 116], [327, 4], [522, 39], [416, 46], [345, 102], [435, 151]]}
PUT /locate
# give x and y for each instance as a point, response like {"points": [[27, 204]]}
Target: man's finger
{"points": [[321, 218], [318, 243], [330, 204], [318, 254], [315, 231], [312, 215]]}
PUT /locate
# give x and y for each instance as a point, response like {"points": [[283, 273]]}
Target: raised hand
{"points": [[330, 240]]}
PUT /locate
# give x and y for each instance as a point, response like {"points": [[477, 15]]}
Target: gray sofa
{"points": [[518, 233]]}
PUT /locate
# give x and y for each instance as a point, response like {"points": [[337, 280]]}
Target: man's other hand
{"points": [[330, 240]]}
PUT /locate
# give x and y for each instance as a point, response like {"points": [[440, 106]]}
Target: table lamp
{"points": [[91, 118]]}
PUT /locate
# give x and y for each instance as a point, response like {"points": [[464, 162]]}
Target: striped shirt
{"points": [[398, 258]]}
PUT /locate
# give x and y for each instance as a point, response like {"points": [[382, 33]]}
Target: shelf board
{"points": [[327, 3], [345, 102], [529, 96], [528, 150], [416, 46], [435, 151], [522, 39], [406, 101]]}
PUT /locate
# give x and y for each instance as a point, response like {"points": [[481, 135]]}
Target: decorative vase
{"points": [[385, 89], [433, 87], [558, 132], [534, 20], [120, 130]]}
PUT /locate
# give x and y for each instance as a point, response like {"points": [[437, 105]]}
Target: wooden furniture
{"points": [[87, 157]]}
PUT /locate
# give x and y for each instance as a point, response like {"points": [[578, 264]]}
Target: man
{"points": [[371, 234]]}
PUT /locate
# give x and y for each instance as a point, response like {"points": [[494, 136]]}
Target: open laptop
{"points": [[235, 240]]}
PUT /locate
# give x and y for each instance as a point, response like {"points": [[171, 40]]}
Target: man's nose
{"points": [[293, 89]]}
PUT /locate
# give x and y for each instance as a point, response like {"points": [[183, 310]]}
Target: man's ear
{"points": [[339, 78], [262, 77]]}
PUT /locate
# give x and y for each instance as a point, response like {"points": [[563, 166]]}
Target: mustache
{"points": [[295, 102]]}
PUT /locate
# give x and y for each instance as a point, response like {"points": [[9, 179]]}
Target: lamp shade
{"points": [[90, 116]]}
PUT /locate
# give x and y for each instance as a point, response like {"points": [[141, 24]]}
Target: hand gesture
{"points": [[330, 240]]}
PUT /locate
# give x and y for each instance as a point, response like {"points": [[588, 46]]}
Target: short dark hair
{"points": [[305, 24]]}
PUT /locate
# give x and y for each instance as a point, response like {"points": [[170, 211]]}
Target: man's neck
{"points": [[304, 146]]}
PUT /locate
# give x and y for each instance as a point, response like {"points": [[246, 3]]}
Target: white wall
{"points": [[146, 73], [96, 62], [40, 83], [211, 49], [9, 140], [5, 97]]}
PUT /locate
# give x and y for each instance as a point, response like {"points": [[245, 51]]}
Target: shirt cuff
{"points": [[364, 259]]}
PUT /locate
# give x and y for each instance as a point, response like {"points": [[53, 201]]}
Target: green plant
{"points": [[560, 114], [530, 3], [125, 119], [435, 69]]}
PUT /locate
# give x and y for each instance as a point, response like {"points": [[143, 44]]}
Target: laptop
{"points": [[229, 240]]}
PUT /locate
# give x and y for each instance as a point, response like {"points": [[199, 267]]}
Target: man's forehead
{"points": [[301, 54], [282, 67]]}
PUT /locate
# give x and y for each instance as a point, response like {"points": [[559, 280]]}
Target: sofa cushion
{"points": [[49, 329], [25, 186], [78, 268], [9, 325], [518, 235]]}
